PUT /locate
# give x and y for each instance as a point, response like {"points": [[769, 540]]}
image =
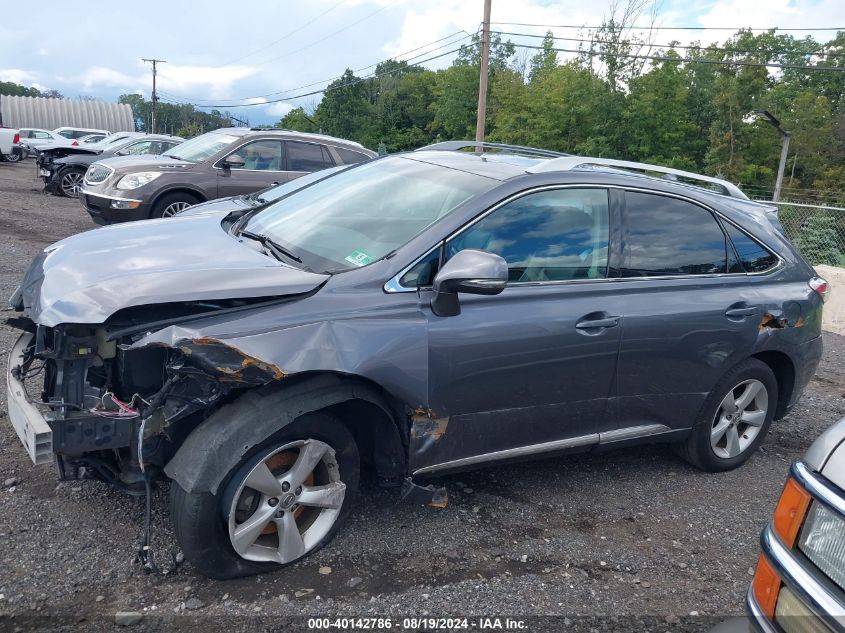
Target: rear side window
{"points": [[349, 157], [554, 235], [754, 257], [667, 236], [305, 157]]}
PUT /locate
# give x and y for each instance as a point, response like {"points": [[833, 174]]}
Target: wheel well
{"points": [[784, 371], [191, 192], [375, 421]]}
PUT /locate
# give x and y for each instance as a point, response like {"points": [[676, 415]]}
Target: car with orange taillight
{"points": [[799, 582]]}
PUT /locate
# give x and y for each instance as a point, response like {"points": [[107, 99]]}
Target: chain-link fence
{"points": [[818, 231]]}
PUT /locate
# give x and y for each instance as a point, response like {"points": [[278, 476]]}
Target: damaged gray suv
{"points": [[421, 313]]}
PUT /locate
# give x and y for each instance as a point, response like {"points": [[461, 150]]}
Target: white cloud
{"points": [[17, 75], [279, 109]]}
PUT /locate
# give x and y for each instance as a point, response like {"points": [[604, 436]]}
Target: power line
{"points": [[315, 83], [685, 47], [675, 28], [323, 90], [685, 60], [330, 35], [286, 35]]}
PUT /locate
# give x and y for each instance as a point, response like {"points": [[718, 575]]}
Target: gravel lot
{"points": [[633, 533]]}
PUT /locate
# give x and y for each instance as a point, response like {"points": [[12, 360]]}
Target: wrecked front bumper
{"points": [[29, 423]]}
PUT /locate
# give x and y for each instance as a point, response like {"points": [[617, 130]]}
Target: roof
{"points": [[243, 131], [499, 167], [49, 114]]}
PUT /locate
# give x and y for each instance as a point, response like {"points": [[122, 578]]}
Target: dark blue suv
{"points": [[424, 312]]}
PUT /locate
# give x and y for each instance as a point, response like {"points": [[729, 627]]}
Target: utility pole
{"points": [[154, 96], [482, 78]]}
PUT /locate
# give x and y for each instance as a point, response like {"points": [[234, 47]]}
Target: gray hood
{"points": [[88, 277]]}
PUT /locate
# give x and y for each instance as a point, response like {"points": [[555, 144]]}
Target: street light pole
{"points": [[783, 152], [770, 118]]}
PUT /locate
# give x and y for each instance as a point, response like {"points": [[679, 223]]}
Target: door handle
{"points": [[592, 324], [742, 312]]}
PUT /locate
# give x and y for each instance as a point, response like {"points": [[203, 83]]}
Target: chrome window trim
{"points": [[819, 488], [392, 285]]}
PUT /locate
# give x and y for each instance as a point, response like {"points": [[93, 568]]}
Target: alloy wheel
{"points": [[12, 158], [287, 503], [71, 183], [740, 417], [173, 208]]}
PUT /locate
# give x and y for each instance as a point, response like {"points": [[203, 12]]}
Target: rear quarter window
{"points": [[754, 257], [350, 157]]}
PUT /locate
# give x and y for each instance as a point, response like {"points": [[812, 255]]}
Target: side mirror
{"points": [[234, 160], [470, 271]]}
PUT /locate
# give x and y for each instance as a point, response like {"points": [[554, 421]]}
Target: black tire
{"points": [[697, 449], [61, 187], [200, 520], [164, 204], [12, 158]]}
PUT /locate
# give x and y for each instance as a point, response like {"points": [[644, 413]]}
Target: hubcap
{"points": [[287, 503], [173, 208], [71, 184], [739, 418]]}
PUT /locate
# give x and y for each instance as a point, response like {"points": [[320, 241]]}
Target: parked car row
{"points": [[425, 312], [225, 162]]}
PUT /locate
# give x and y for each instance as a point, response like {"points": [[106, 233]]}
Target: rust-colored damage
{"points": [[424, 425], [770, 321], [231, 363]]}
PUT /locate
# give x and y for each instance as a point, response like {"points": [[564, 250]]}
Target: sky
{"points": [[271, 54]]}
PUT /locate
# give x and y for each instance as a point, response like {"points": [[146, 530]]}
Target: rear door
{"points": [[263, 166], [689, 311]]}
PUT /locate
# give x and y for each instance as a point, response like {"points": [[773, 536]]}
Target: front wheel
{"points": [[172, 203], [286, 499], [70, 182], [734, 419]]}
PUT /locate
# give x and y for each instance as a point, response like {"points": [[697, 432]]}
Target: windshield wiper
{"points": [[274, 247]]}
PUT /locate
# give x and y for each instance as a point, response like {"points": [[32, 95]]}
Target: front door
{"points": [[530, 370], [263, 165]]}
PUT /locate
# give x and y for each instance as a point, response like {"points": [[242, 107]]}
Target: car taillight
{"points": [[821, 287], [16, 139]]}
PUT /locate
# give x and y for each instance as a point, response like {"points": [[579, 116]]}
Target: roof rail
{"points": [[455, 146], [574, 162]]}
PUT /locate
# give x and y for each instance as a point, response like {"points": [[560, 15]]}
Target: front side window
{"points": [[305, 156], [421, 274], [260, 156], [138, 148], [361, 214], [66, 133], [556, 235], [202, 147], [667, 236]]}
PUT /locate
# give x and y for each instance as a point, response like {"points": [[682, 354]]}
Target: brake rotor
{"points": [[279, 464]]}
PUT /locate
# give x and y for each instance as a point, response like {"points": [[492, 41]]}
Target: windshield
{"points": [[362, 214], [198, 149], [279, 191]]}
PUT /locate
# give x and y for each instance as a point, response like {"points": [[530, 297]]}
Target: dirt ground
{"points": [[627, 540]]}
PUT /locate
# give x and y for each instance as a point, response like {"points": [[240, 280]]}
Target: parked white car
{"points": [[9, 148]]}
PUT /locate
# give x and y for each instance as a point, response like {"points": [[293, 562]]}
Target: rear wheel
{"points": [[70, 182], [172, 203], [282, 502], [12, 158], [734, 419]]}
